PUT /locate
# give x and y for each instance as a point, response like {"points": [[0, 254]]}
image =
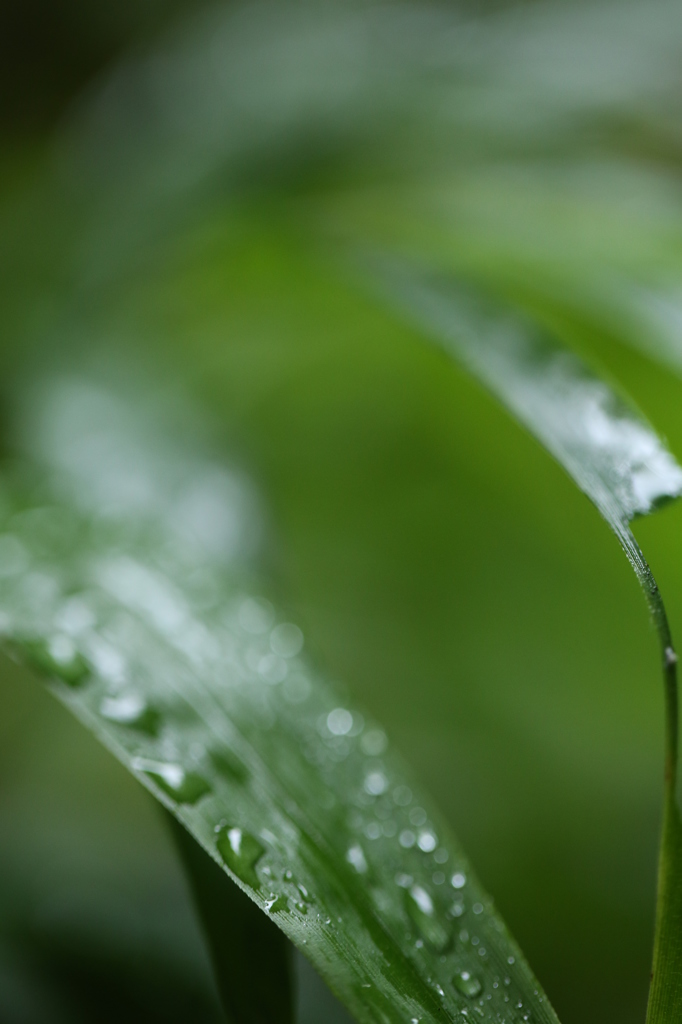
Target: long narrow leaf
{"points": [[123, 582], [620, 464]]}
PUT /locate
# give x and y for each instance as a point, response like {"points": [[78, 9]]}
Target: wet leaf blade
{"points": [[131, 593], [618, 461]]}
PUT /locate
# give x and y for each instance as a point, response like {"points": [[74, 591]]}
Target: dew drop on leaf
{"points": [[277, 904], [131, 710], [58, 657], [241, 852], [467, 984], [184, 787], [420, 908], [376, 783], [427, 841], [339, 722], [286, 640], [374, 742], [356, 857]]}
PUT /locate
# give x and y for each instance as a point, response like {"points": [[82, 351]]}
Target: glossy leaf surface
{"points": [[207, 110], [620, 464], [124, 580]]}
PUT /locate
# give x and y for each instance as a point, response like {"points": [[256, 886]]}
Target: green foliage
{"points": [[125, 583], [188, 225]]}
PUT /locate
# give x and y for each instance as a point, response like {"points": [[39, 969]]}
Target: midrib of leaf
{"points": [[123, 580], [618, 461]]}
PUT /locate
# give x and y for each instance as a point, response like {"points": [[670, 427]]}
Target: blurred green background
{"points": [[444, 568]]}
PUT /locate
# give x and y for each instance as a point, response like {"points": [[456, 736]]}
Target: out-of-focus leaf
{"points": [[621, 465], [252, 958], [124, 581]]}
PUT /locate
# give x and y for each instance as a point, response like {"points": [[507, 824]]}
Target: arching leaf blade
{"points": [[125, 583], [617, 460]]}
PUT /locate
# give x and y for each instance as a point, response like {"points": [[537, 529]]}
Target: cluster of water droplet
{"points": [[128, 590]]}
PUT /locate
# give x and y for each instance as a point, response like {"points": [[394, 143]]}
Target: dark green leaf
{"points": [[251, 956]]}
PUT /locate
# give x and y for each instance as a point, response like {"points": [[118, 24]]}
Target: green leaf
{"points": [[251, 956], [123, 579], [619, 462]]}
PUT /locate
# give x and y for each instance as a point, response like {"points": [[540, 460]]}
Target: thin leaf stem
{"points": [[665, 992]]}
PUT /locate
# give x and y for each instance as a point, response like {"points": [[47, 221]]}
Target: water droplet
{"points": [[184, 787], [277, 904], [407, 839], [427, 841], [440, 856], [305, 894], [373, 830], [356, 857], [420, 908], [510, 960], [286, 640], [375, 783], [339, 722], [272, 668], [58, 657], [477, 908], [402, 795], [458, 880], [241, 852], [417, 816], [229, 766], [438, 878], [108, 662], [467, 984], [74, 616], [374, 742], [132, 710]]}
